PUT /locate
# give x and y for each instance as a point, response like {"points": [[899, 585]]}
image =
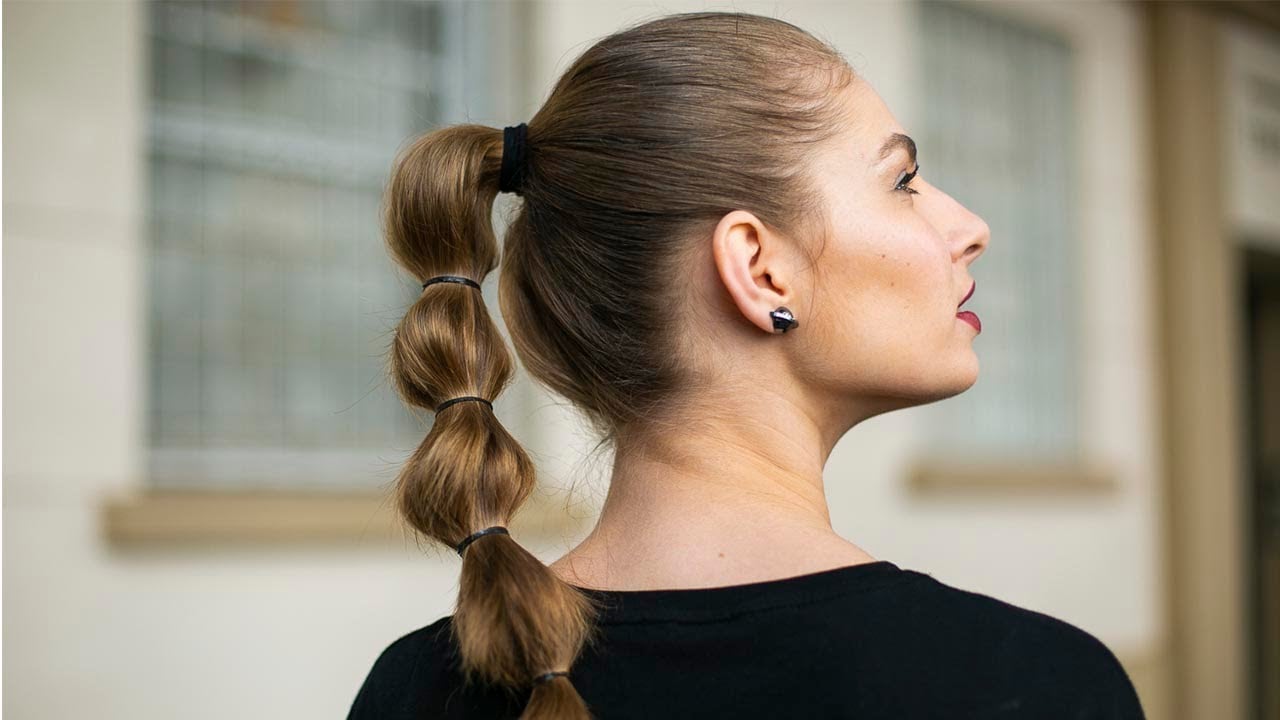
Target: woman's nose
{"points": [[973, 236], [966, 231]]}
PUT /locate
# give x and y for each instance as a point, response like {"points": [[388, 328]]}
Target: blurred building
{"points": [[199, 438]]}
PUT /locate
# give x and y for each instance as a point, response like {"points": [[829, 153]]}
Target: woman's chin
{"points": [[959, 378], [971, 373], [964, 374]]}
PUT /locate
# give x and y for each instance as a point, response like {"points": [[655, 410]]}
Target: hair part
{"points": [[647, 140]]}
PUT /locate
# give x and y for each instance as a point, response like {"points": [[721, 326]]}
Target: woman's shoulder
{"points": [[408, 649], [406, 666], [1051, 659]]}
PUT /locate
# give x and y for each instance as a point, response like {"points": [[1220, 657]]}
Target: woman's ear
{"points": [[752, 263]]}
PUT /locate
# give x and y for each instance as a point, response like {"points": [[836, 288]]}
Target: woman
{"points": [[725, 258]]}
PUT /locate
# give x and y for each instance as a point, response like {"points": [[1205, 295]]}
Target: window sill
{"points": [[1012, 477], [155, 517]]}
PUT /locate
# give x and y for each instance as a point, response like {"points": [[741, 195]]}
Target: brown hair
{"points": [[646, 141]]}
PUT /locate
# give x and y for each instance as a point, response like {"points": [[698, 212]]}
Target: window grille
{"points": [[272, 129]]}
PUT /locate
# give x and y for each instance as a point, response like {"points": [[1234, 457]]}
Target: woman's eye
{"points": [[907, 178]]}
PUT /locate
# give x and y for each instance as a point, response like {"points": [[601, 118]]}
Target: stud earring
{"points": [[783, 320]]}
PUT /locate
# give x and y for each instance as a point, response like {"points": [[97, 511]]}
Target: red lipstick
{"points": [[970, 318]]}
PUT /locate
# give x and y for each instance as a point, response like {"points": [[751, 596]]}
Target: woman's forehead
{"points": [[873, 133]]}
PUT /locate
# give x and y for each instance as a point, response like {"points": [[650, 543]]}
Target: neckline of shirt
{"points": [[712, 603]]}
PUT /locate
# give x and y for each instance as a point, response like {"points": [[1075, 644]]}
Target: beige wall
{"points": [[275, 632]]}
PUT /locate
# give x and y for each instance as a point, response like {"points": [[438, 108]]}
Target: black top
{"points": [[865, 641]]}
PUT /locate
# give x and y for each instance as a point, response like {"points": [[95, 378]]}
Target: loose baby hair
{"points": [[650, 137]]}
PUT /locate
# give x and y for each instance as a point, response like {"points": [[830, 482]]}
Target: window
{"points": [[272, 129], [999, 111]]}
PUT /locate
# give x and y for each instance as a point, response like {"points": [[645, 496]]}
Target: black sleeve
{"points": [[1107, 691], [1120, 702]]}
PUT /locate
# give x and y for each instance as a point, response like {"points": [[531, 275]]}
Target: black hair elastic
{"points": [[453, 279], [514, 156], [548, 675], [479, 534], [451, 401]]}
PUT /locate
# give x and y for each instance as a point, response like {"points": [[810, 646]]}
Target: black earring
{"points": [[783, 320]]}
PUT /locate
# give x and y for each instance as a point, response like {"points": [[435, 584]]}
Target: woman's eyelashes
{"points": [[906, 178]]}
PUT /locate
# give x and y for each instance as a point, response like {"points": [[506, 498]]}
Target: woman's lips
{"points": [[966, 315]]}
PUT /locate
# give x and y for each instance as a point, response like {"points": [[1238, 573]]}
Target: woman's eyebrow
{"points": [[895, 141]]}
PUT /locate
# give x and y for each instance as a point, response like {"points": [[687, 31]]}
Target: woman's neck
{"points": [[712, 510]]}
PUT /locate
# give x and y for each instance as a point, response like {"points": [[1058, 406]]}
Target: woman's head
{"points": [[880, 306], [685, 177], [686, 180]]}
